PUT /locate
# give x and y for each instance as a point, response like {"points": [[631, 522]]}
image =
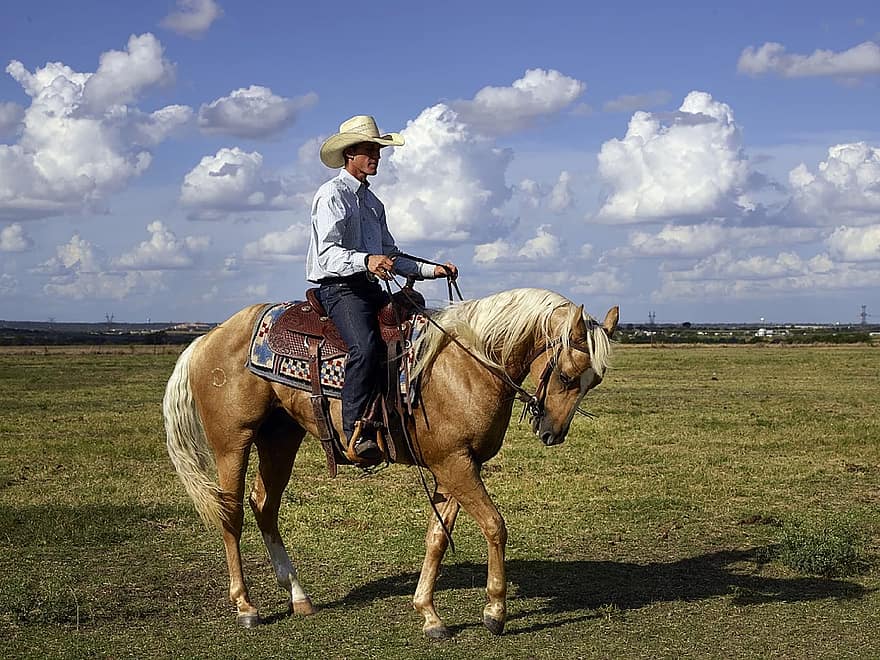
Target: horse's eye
{"points": [[565, 379]]}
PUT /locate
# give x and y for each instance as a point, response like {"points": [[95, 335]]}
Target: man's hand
{"points": [[381, 266], [449, 270]]}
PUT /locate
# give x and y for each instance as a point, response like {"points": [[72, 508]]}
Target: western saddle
{"points": [[305, 331]]}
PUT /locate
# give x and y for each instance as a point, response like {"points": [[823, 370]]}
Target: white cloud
{"points": [[8, 285], [855, 243], [632, 102], [558, 198], [497, 110], [561, 198], [845, 187], [259, 291], [234, 181], [860, 60], [542, 247], [80, 141], [79, 271], [723, 276], [11, 115], [163, 251], [690, 166], [703, 239], [447, 184], [193, 17], [13, 239], [122, 76], [254, 112], [600, 283], [287, 245]]}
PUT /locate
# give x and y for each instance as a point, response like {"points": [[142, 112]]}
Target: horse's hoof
{"points": [[303, 607], [438, 632], [248, 620], [495, 626]]}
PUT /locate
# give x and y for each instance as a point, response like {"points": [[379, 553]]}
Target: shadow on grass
{"points": [[571, 587]]}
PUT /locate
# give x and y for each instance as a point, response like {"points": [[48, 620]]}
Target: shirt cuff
{"points": [[427, 271], [362, 258]]}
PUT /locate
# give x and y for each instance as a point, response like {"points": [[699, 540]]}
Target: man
{"points": [[349, 249]]}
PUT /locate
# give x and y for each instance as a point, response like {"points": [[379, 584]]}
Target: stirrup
{"points": [[352, 455]]}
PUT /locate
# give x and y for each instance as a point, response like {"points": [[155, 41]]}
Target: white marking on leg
{"points": [[285, 571]]}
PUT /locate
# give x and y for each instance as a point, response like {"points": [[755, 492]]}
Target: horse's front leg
{"points": [[462, 477], [436, 543]]}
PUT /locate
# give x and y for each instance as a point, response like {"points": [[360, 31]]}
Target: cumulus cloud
{"points": [[254, 112], [561, 197], [498, 110], [601, 283], [80, 271], [192, 17], [846, 186], [725, 276], [80, 140], [690, 166], [234, 181], [700, 240], [163, 251], [557, 198], [542, 247], [13, 239], [11, 115], [283, 246], [447, 184], [855, 243], [772, 57], [632, 102]]}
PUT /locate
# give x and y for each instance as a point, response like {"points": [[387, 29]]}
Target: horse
{"points": [[472, 360]]}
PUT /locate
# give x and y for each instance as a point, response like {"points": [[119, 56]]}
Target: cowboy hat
{"points": [[361, 128]]}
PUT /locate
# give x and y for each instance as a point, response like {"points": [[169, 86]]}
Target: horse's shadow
{"points": [[590, 589]]}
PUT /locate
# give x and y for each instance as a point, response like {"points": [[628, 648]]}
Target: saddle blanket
{"points": [[293, 371]]}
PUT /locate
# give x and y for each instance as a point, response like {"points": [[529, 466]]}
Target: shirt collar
{"points": [[350, 181]]}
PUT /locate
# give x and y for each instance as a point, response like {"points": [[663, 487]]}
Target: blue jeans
{"points": [[352, 305]]}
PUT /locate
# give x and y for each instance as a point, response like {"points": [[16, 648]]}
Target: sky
{"points": [[700, 162]]}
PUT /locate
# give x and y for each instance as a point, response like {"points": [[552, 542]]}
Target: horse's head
{"points": [[569, 367]]}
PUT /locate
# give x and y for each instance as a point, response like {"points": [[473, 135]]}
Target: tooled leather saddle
{"points": [[305, 331]]}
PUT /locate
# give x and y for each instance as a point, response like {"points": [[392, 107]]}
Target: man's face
{"points": [[364, 159]]}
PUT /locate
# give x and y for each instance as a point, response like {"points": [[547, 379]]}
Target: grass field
{"points": [[652, 532]]}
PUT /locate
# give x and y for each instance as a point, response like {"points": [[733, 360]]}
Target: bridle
{"points": [[534, 404]]}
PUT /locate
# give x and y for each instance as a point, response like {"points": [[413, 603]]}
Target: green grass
{"points": [[656, 530]]}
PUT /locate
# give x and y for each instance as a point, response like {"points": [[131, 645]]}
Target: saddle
{"points": [[305, 331]]}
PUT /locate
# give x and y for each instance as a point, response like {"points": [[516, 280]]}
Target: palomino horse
{"points": [[470, 371]]}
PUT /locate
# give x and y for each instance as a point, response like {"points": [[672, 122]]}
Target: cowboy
{"points": [[349, 250]]}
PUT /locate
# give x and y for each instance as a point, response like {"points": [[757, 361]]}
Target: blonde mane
{"points": [[492, 328]]}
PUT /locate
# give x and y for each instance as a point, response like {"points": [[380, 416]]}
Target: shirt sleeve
{"points": [[330, 219]]}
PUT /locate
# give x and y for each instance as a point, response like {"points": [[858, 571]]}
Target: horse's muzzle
{"points": [[549, 439]]}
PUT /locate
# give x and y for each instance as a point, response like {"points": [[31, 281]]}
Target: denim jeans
{"points": [[352, 305]]}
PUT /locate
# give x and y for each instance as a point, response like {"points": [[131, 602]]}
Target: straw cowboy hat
{"points": [[361, 128]]}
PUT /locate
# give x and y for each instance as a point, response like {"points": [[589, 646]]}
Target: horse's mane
{"points": [[494, 326]]}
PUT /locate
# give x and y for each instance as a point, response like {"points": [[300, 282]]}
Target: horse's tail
{"points": [[187, 444]]}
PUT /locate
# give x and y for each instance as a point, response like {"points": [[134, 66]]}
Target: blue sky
{"points": [[157, 160]]}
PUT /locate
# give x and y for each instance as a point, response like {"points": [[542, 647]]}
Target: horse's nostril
{"points": [[547, 438]]}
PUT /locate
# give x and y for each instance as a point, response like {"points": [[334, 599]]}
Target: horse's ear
{"points": [[611, 319], [578, 321]]}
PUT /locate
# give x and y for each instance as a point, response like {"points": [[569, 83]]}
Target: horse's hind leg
{"points": [[277, 443], [231, 470], [436, 543]]}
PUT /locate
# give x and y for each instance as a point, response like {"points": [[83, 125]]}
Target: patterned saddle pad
{"points": [[280, 354]]}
